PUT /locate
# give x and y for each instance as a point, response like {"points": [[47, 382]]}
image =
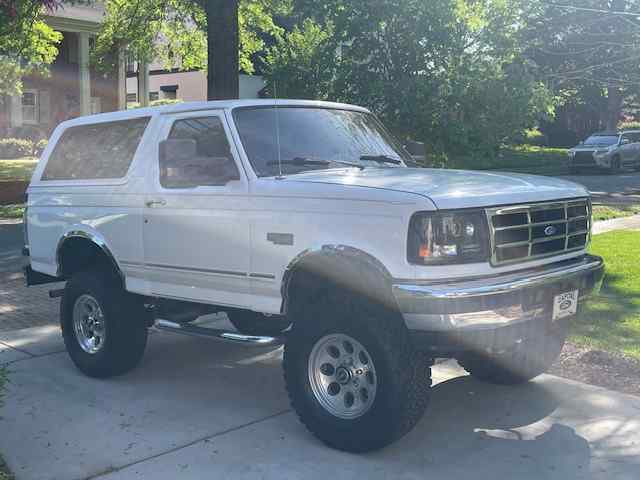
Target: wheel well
{"points": [[79, 253], [358, 274]]}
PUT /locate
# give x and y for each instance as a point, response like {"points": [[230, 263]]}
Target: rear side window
{"points": [[98, 151]]}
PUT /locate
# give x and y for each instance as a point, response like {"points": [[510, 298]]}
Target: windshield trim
{"points": [[404, 155]]}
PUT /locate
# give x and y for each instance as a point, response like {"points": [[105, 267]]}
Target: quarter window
{"points": [[97, 151]]}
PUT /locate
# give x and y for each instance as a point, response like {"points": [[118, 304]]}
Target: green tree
{"points": [[27, 44], [447, 72], [300, 64], [218, 35], [589, 52]]}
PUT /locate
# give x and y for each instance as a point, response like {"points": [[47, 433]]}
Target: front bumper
{"points": [[497, 301]]}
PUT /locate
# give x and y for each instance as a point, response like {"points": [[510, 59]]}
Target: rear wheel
{"points": [[528, 359], [351, 373], [103, 326]]}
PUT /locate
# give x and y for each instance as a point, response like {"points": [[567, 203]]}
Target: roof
{"points": [[201, 106]]}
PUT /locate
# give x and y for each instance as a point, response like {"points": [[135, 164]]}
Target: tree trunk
{"points": [[614, 108], [223, 46]]}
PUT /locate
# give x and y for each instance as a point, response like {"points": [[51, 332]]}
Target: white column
{"points": [[85, 75], [143, 84], [16, 111], [122, 80]]}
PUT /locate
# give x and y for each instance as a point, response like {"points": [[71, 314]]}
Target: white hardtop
{"points": [[198, 106]]}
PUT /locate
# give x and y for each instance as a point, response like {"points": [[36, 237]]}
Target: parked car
{"points": [[611, 151], [301, 221]]}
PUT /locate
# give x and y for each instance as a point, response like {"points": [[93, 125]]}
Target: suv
{"points": [[301, 221], [612, 151]]}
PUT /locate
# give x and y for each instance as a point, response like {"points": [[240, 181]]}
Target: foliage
{"points": [[517, 158], [629, 126], [611, 321], [27, 44], [17, 170], [12, 148], [11, 211], [173, 32], [299, 65], [602, 212], [447, 73], [587, 51]]}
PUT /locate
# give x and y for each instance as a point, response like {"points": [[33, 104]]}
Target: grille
{"points": [[526, 232], [584, 158]]}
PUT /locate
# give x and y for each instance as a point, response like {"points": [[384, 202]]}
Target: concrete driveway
{"points": [[200, 409]]}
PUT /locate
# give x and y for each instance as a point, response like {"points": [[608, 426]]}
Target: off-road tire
{"points": [[126, 323], [254, 323], [404, 376], [526, 361]]}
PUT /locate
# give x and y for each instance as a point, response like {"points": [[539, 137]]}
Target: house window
{"points": [[153, 96], [132, 97], [30, 107]]}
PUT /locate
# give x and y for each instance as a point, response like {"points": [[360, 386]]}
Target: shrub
{"points": [[39, 147], [535, 137], [629, 126], [11, 148]]}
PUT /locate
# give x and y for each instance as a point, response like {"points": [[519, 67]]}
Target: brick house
{"points": [[73, 87]]}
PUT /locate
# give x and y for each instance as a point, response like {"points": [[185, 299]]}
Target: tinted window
{"points": [[633, 137], [98, 151], [210, 164], [316, 134]]}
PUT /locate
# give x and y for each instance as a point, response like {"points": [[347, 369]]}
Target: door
{"points": [[195, 227]]}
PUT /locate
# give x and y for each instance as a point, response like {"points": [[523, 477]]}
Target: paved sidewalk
{"points": [[626, 223], [197, 409]]}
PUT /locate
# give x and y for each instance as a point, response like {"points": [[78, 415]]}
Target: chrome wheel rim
{"points": [[342, 376], [89, 324]]}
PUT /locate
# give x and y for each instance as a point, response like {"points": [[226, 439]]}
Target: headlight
{"points": [[571, 154], [448, 237]]}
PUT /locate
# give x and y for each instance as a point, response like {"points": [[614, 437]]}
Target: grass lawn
{"points": [[611, 321], [521, 159], [20, 169], [601, 212]]}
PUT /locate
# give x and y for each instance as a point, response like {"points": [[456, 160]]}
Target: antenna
{"points": [[275, 94]]}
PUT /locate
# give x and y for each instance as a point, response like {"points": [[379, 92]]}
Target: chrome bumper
{"points": [[495, 301]]}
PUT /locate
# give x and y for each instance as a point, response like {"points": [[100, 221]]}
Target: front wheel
{"points": [[352, 376], [528, 359], [104, 327]]}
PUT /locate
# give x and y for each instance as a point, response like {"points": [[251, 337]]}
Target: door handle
{"points": [[155, 203]]}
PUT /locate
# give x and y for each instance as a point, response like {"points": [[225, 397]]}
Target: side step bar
{"points": [[196, 331]]}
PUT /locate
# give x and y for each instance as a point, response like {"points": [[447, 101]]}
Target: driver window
{"points": [[212, 163]]}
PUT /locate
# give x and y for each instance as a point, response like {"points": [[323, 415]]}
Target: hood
{"points": [[449, 189]]}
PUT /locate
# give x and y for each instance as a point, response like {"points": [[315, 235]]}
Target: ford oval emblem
{"points": [[550, 230]]}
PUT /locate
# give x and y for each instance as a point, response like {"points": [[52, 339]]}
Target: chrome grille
{"points": [[526, 232]]}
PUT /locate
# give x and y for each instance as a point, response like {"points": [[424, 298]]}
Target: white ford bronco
{"points": [[302, 221]]}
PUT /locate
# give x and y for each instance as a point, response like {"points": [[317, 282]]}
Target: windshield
{"points": [[601, 140], [311, 138]]}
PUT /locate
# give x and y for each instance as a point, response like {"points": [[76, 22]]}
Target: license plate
{"points": [[565, 304]]}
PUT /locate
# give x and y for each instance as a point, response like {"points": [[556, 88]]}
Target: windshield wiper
{"points": [[303, 161], [381, 159]]}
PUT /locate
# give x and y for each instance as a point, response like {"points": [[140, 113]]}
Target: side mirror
{"points": [[417, 150], [182, 167], [625, 141]]}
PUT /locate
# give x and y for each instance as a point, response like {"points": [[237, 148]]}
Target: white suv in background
{"points": [[613, 151], [301, 221]]}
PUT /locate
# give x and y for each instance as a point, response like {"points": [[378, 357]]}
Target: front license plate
{"points": [[565, 304]]}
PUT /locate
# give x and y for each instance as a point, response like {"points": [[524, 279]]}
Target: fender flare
{"points": [[94, 237], [345, 251]]}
